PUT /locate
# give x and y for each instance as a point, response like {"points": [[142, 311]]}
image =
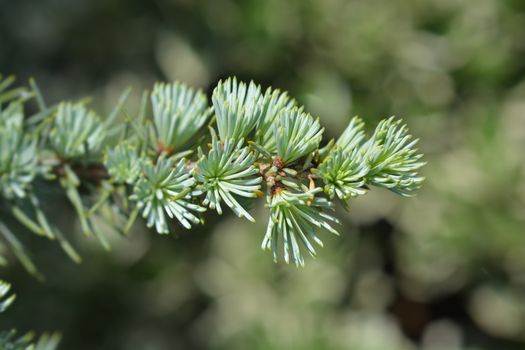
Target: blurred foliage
{"points": [[10, 340], [442, 271]]}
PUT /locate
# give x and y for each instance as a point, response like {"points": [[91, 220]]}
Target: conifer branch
{"points": [[160, 163]]}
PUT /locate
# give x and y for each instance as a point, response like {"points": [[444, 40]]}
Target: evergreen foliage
{"points": [[165, 188], [225, 172], [178, 113], [10, 340], [122, 166]]}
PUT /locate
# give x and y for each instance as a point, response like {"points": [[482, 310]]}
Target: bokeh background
{"points": [[442, 271]]}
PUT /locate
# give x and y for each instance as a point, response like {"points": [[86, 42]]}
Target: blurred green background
{"points": [[442, 271]]}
